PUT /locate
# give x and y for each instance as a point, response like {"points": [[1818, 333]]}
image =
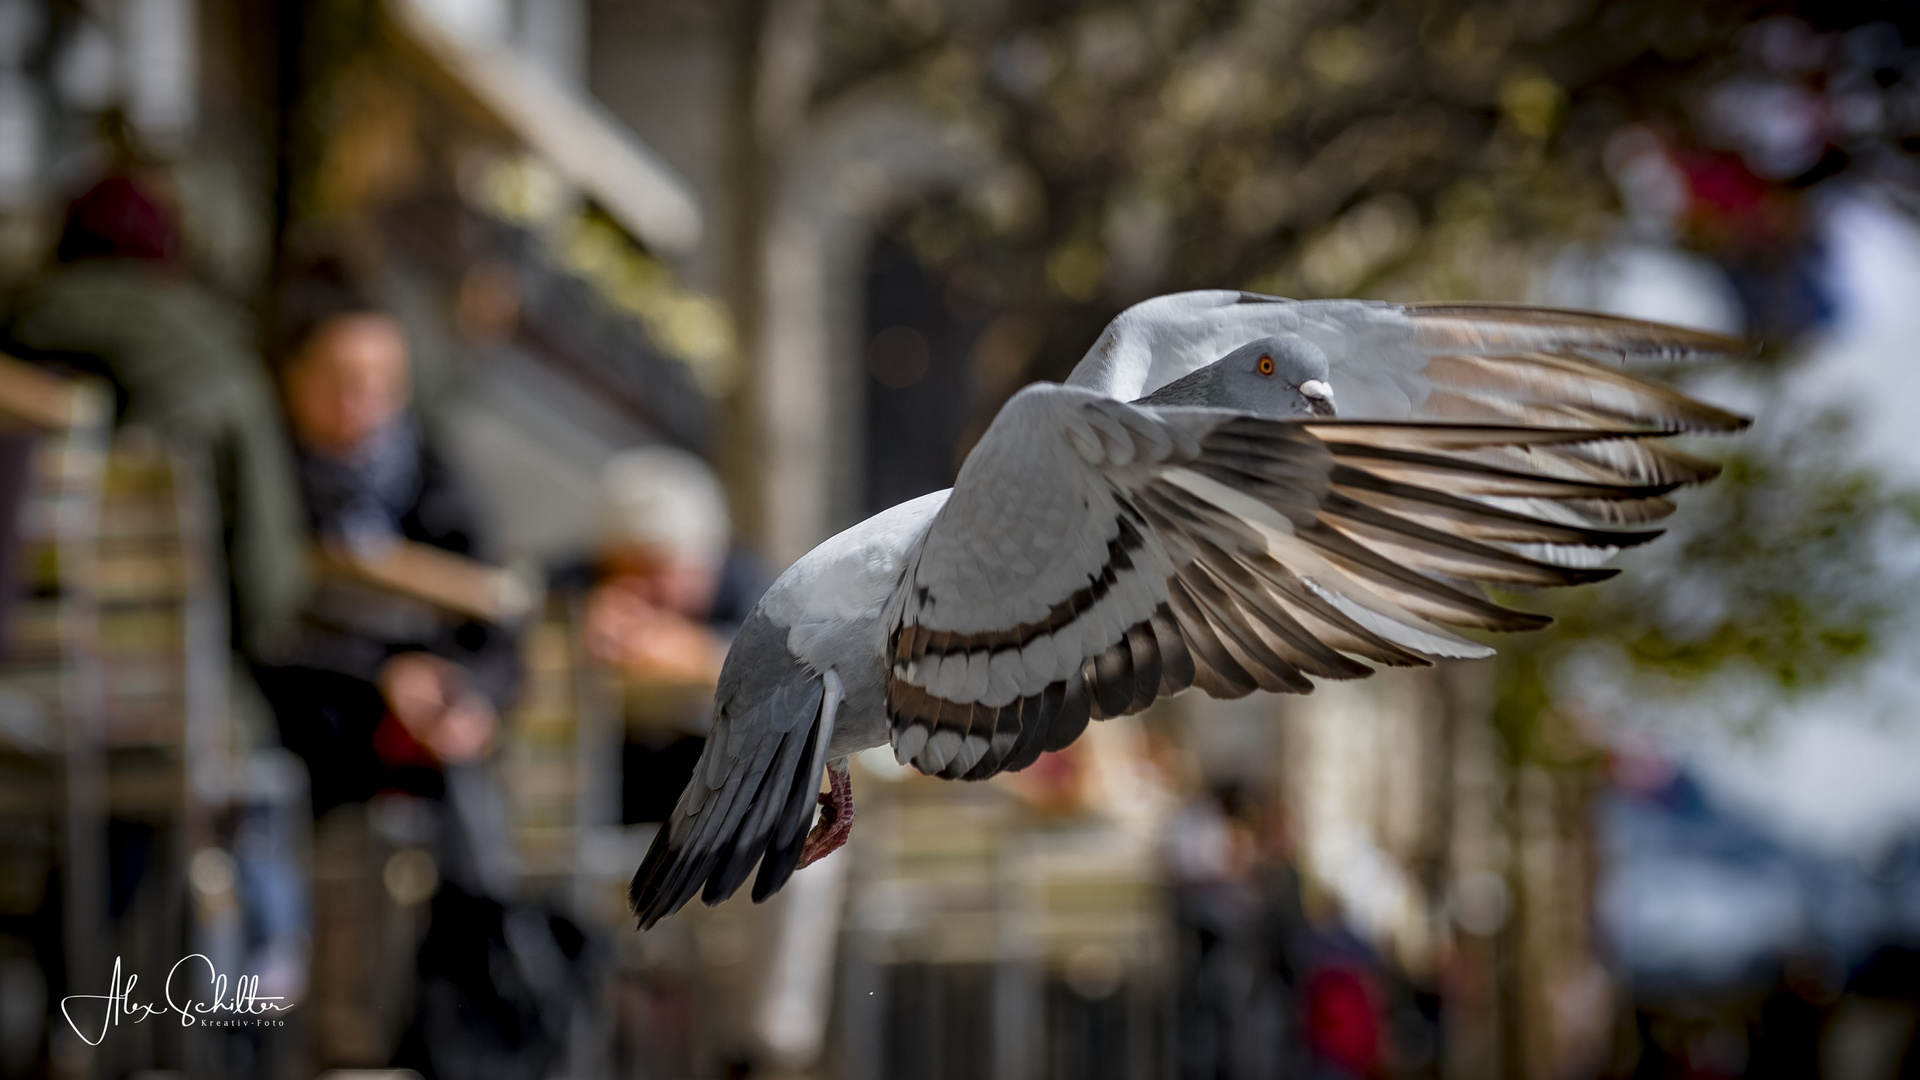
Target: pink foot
{"points": [[836, 816]]}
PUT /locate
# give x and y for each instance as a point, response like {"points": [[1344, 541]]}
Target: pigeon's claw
{"points": [[836, 816]]}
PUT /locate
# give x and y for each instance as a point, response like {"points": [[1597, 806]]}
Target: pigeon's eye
{"points": [[1266, 365]]}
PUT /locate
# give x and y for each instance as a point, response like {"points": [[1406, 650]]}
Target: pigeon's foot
{"points": [[836, 816]]}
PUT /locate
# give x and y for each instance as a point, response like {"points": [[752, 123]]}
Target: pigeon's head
{"points": [[1278, 377]]}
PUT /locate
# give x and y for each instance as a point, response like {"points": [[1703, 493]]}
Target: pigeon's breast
{"points": [[833, 603]]}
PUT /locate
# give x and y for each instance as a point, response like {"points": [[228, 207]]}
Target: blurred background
{"points": [[403, 401]]}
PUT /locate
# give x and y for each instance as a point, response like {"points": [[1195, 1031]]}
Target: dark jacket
{"points": [[322, 685]]}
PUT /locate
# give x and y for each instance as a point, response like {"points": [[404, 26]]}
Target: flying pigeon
{"points": [[1231, 492]]}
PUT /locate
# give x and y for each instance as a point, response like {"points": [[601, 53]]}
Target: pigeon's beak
{"points": [[1319, 397]]}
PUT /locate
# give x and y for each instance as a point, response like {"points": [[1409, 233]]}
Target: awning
{"points": [[574, 134]]}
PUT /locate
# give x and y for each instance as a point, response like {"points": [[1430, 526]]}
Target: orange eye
{"points": [[1266, 365]]}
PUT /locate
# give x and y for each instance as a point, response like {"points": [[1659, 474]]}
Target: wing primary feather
{"points": [[1614, 456], [1215, 671], [1636, 461], [1258, 596], [1610, 513], [1418, 592], [1474, 478], [1481, 324], [1443, 553], [1429, 437], [1070, 718], [1109, 677], [1036, 716], [1271, 671], [1145, 653], [1176, 664], [1481, 520], [1585, 383], [1338, 629]]}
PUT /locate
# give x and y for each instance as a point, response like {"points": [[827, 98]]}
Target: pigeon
{"points": [[1230, 493]]}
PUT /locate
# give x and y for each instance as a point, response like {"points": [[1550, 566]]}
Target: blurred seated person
{"points": [[670, 588], [377, 691], [666, 591], [121, 303], [390, 691]]}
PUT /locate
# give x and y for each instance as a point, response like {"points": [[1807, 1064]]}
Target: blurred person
{"points": [[385, 696], [120, 303], [1264, 989], [671, 590], [1243, 942], [665, 591], [370, 480]]}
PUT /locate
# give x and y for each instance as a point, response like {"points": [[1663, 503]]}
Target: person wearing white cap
{"points": [[665, 607]]}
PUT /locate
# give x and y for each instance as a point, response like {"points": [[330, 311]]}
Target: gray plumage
{"points": [[771, 718], [1173, 517]]}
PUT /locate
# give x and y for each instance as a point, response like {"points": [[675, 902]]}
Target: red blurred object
{"points": [[1730, 208], [1343, 1019], [1721, 184], [398, 748], [119, 217]]}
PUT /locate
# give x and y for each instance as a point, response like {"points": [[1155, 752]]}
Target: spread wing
{"points": [[1097, 555], [1500, 363], [753, 792]]}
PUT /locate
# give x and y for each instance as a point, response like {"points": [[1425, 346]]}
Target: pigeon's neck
{"points": [[1199, 388]]}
